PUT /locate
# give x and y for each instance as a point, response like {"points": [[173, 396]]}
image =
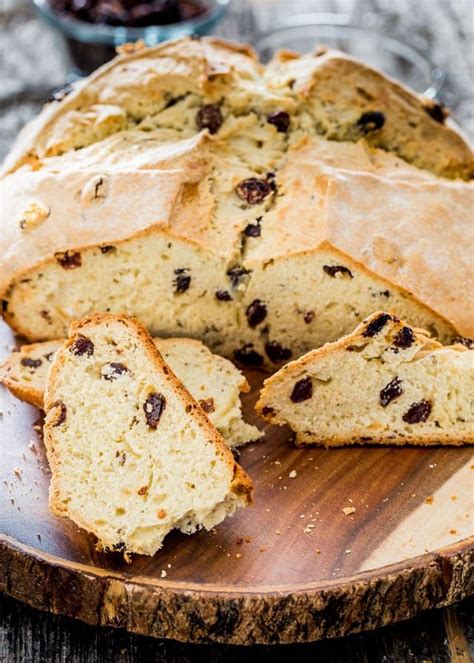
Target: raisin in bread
{"points": [[386, 383], [212, 380], [263, 210], [132, 455]]}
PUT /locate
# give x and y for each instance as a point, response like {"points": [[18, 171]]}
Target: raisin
{"points": [[371, 121], [113, 370], [303, 390], [107, 249], [418, 412], [332, 270], [4, 305], [236, 274], [268, 411], [208, 405], [436, 111], [391, 391], [467, 342], [209, 117], [153, 408], [49, 356], [253, 190], [280, 120], [119, 547], [82, 346], [308, 317], [256, 312], [68, 259], [31, 363], [375, 326], [61, 417], [276, 352], [254, 229], [182, 280], [223, 295], [405, 338], [248, 356]]}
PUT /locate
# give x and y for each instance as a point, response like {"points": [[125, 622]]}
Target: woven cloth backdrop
{"points": [[33, 59]]}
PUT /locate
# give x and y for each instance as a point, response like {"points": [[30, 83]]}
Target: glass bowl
{"points": [[92, 44], [304, 32]]}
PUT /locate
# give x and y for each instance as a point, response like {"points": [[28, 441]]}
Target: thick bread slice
{"points": [[212, 380], [132, 454], [386, 383]]}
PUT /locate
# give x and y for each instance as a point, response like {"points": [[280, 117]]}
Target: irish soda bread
{"points": [[265, 210], [132, 455], [386, 383], [212, 380]]}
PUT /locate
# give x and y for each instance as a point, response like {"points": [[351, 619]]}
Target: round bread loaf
{"points": [[264, 210]]}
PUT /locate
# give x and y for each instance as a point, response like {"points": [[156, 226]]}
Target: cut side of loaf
{"points": [[386, 383], [212, 380], [132, 455]]}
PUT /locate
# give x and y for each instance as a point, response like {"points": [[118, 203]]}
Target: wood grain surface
{"points": [[338, 541]]}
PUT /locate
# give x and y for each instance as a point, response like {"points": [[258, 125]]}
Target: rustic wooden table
{"points": [[32, 62]]}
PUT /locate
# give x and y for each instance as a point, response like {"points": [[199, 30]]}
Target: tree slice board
{"points": [[338, 541]]}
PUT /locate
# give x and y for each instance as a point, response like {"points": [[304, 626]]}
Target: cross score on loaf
{"points": [[265, 210]]}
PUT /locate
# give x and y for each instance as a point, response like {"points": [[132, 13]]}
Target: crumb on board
{"points": [[238, 555], [17, 472], [453, 530], [347, 510], [292, 474], [163, 573], [262, 548], [429, 500]]}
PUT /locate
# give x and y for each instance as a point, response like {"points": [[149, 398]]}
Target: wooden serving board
{"points": [[296, 567]]}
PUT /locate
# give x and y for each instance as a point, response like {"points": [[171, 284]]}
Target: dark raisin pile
{"points": [[371, 121], [254, 190], [82, 346], [418, 412], [405, 338], [31, 363], [113, 370], [209, 117], [153, 408], [276, 352], [303, 390], [131, 13], [256, 312], [376, 326], [332, 270], [390, 392], [280, 120], [248, 356], [182, 280]]}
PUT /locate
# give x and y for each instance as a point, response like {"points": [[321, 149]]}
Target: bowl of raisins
{"points": [[93, 29]]}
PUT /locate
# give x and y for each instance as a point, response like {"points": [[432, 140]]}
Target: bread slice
{"points": [[386, 383], [212, 380], [132, 454]]}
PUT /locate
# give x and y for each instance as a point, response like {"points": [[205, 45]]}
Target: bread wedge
{"points": [[386, 383], [132, 455], [212, 380]]}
